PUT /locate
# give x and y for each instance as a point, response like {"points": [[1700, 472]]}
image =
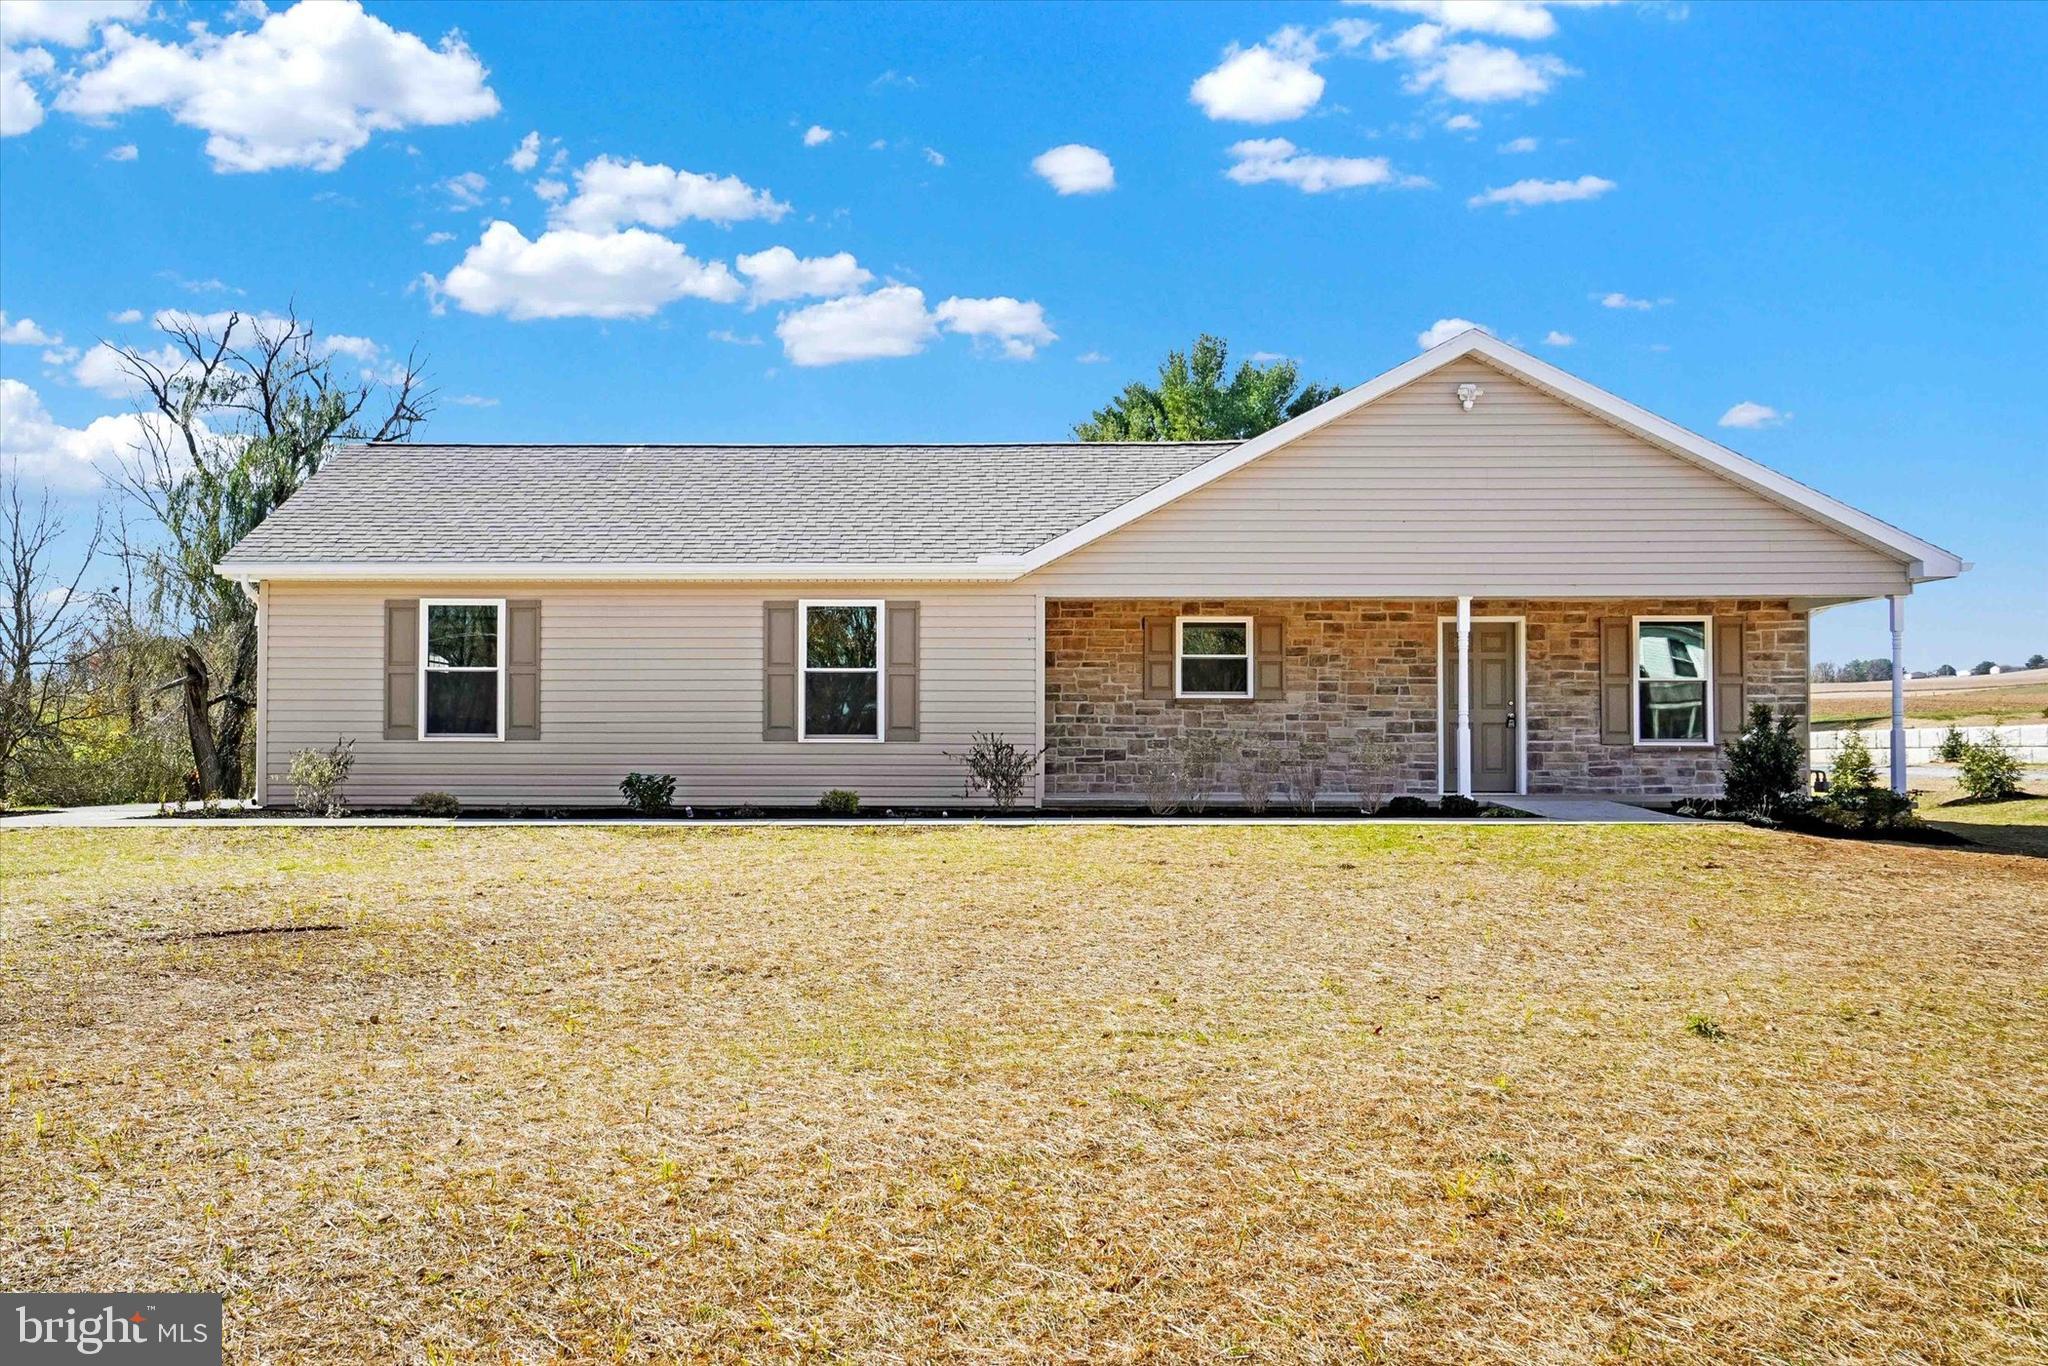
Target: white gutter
{"points": [[740, 571]]}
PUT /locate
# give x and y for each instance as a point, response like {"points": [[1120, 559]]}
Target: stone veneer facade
{"points": [[1366, 665]]}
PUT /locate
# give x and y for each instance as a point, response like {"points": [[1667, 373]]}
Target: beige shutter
{"points": [[1728, 675], [1617, 681], [1269, 652], [1158, 644], [402, 669], [522, 670], [778, 671], [899, 677]]}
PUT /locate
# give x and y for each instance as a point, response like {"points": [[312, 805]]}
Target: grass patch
{"points": [[1033, 1093], [2018, 826]]}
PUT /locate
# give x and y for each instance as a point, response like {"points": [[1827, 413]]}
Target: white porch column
{"points": [[1464, 697], [1898, 605]]}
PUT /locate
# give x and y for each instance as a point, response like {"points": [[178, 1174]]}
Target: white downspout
{"points": [[1898, 604], [1038, 672], [1464, 697], [261, 593]]}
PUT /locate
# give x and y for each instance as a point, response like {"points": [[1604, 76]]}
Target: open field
{"points": [[2020, 704], [1420, 1093]]}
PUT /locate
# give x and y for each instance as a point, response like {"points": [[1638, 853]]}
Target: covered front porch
{"points": [[1618, 697]]}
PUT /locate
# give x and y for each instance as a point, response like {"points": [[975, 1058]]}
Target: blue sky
{"points": [[1830, 212]]}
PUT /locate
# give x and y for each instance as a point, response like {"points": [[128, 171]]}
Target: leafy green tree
{"points": [[237, 418], [2037, 661], [1196, 399]]}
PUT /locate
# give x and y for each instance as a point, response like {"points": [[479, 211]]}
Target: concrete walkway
{"points": [[1587, 810], [1540, 811]]}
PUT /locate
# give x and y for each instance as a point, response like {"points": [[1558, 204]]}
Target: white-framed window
{"points": [[839, 683], [462, 669], [1212, 657], [1674, 683]]}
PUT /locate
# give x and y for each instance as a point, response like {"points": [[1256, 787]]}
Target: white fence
{"points": [[2029, 744]]}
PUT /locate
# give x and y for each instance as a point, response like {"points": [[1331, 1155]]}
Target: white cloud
{"points": [[893, 321], [612, 194], [1075, 168], [1018, 327], [1276, 160], [817, 135], [1503, 18], [1443, 329], [1751, 416], [553, 191], [127, 151], [1523, 193], [465, 191], [1091, 358], [435, 239], [1462, 123], [1478, 73], [934, 156], [1617, 299], [20, 109], [1257, 85], [68, 23], [42, 449], [1517, 146], [890, 321], [568, 273], [779, 273], [126, 315], [1557, 338], [526, 155], [1268, 357], [100, 369], [472, 401], [24, 332], [732, 338], [305, 89]]}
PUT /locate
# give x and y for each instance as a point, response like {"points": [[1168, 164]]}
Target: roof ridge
{"points": [[760, 445]]}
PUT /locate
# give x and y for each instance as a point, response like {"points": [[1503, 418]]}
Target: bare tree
{"points": [[232, 429], [40, 625]]}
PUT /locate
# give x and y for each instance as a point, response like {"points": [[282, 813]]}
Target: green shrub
{"points": [[319, 776], [1405, 806], [1704, 1026], [437, 804], [840, 802], [1990, 773], [1766, 766], [649, 793], [1954, 744], [1456, 804], [1872, 810], [1854, 770]]}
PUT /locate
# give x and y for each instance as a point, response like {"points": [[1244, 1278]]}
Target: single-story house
{"points": [[1514, 581]]}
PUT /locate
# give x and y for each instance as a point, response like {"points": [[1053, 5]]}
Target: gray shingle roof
{"points": [[686, 505]]}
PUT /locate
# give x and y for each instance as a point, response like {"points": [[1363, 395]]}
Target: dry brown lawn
{"points": [[1413, 1093]]}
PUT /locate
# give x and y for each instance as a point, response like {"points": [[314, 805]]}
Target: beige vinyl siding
{"points": [[1525, 495], [659, 678]]}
